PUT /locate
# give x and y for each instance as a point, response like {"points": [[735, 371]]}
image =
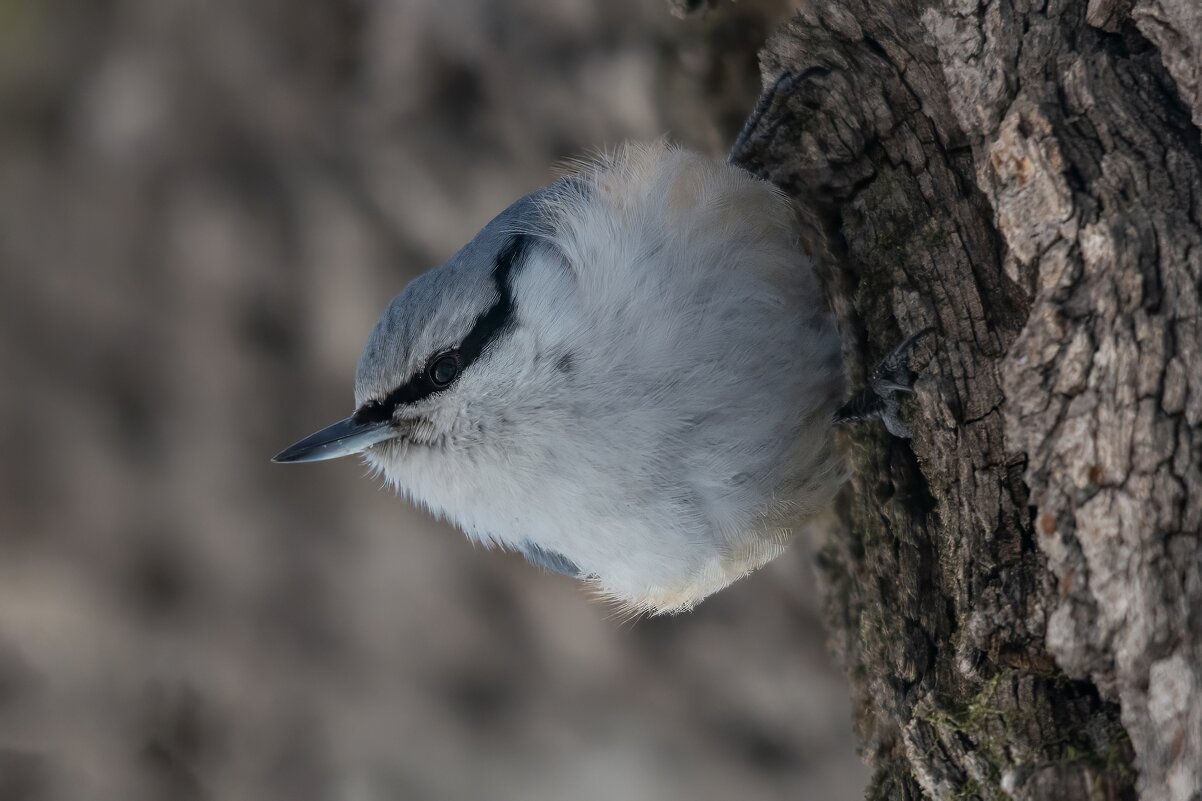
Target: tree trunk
{"points": [[1017, 594]]}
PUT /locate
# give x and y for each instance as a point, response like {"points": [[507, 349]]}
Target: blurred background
{"points": [[204, 204]]}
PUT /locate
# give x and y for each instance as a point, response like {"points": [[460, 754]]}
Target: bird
{"points": [[630, 376]]}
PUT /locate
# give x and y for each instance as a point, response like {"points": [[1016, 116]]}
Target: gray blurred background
{"points": [[204, 204]]}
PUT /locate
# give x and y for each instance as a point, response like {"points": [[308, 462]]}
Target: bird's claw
{"points": [[887, 381]]}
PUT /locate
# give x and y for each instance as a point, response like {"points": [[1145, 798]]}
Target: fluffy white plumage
{"points": [[655, 413]]}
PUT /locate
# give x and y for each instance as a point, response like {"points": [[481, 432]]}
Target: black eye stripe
{"points": [[487, 328]]}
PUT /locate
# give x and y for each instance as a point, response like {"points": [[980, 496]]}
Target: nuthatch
{"points": [[629, 376]]}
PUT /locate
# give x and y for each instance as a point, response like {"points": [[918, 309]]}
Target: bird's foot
{"points": [[886, 384]]}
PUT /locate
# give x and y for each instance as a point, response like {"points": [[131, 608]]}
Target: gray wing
{"points": [[549, 560]]}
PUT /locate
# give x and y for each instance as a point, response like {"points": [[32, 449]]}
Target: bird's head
{"points": [[440, 351]]}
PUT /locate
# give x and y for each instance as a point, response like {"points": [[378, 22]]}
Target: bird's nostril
{"points": [[372, 412]]}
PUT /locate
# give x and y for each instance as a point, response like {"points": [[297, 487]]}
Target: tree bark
{"points": [[1017, 594]]}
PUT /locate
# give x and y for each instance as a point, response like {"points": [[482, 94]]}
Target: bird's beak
{"points": [[344, 438]]}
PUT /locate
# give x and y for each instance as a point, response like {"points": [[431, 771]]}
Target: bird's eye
{"points": [[442, 370]]}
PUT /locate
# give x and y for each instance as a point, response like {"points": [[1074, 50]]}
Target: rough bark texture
{"points": [[1018, 594]]}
